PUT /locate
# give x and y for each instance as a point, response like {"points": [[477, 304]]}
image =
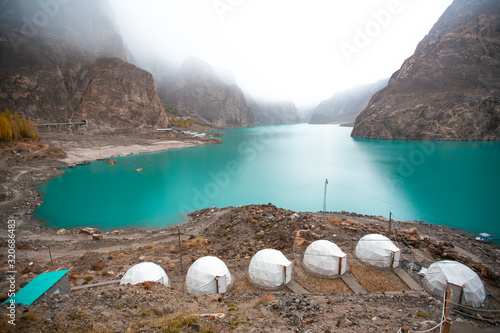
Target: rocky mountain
{"points": [[272, 112], [449, 89], [51, 67], [195, 91], [118, 94], [345, 106]]}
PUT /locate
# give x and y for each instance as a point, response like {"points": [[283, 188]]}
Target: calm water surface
{"points": [[451, 183]]}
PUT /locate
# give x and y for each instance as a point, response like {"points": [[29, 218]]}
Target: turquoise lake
{"points": [[448, 183]]}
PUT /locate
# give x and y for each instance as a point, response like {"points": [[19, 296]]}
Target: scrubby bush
{"points": [[183, 122], [172, 111], [97, 267], [89, 278]]}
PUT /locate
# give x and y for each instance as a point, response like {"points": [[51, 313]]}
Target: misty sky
{"points": [[297, 49]]}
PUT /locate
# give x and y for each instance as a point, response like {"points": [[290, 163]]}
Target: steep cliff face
{"points": [[346, 105], [47, 53], [272, 112], [118, 94], [195, 91], [449, 89]]}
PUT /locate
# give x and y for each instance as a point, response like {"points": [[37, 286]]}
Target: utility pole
{"points": [[324, 202], [390, 224], [50, 254], [180, 249]]}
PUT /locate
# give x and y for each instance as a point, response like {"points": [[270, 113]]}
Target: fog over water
{"points": [[289, 49]]}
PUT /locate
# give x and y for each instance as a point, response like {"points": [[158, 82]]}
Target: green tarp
{"points": [[33, 290]]}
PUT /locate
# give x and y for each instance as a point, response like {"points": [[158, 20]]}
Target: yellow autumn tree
{"points": [[5, 128], [8, 117], [29, 129], [14, 127]]}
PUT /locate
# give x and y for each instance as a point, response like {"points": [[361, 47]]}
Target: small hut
{"points": [[325, 258], [208, 275], [378, 250], [145, 271], [466, 286], [270, 269]]}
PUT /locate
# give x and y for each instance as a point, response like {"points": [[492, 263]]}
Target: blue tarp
{"points": [[33, 290]]}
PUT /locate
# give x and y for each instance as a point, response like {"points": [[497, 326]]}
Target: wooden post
{"points": [[447, 325], [447, 322], [447, 302]]}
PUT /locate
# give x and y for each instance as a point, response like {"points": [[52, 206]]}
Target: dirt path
{"points": [[16, 193]]}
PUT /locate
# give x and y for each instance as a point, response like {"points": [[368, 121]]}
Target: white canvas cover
{"points": [[440, 273], [269, 268], [208, 275], [378, 250], [325, 258], [145, 271]]}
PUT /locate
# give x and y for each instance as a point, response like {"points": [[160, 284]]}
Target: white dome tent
{"points": [[269, 268], [466, 286], [208, 275], [145, 271], [378, 250], [325, 258]]}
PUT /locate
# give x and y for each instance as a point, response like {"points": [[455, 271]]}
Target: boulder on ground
{"points": [[62, 232], [410, 231], [90, 231]]}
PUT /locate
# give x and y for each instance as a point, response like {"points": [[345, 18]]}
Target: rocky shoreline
{"points": [[233, 234], [26, 165]]}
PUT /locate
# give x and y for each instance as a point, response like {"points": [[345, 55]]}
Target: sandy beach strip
{"points": [[76, 155]]}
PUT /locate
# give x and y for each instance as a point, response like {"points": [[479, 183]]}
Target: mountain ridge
{"points": [[269, 112], [344, 106], [195, 91], [51, 59], [448, 89]]}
